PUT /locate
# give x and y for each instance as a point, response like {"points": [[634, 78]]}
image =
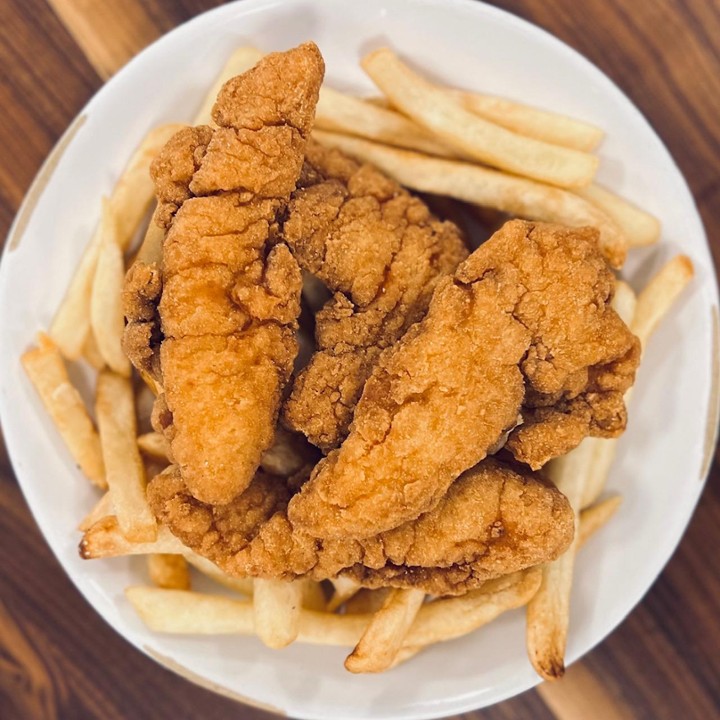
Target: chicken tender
{"points": [[230, 292], [382, 253], [523, 329], [493, 521]]}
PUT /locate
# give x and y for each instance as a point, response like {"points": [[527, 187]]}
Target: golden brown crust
{"points": [[494, 520], [526, 317], [382, 253]]}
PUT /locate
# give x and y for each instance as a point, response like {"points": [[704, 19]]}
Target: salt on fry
{"points": [[45, 368], [523, 119], [168, 571], [276, 611], [437, 110], [106, 312], [153, 444], [115, 410], [511, 194], [239, 62], [385, 634], [639, 227]]}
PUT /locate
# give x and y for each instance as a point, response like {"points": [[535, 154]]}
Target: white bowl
{"points": [[663, 457]]}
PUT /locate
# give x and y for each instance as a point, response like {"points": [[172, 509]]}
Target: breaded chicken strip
{"points": [[229, 292], [382, 253], [525, 319], [493, 521]]}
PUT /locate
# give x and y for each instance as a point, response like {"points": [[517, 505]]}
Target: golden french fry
{"points": [[115, 409], [244, 586], [603, 450], [71, 325], [542, 125], [153, 444], [639, 227], [151, 249], [45, 368], [437, 110], [367, 601], [91, 352], [384, 636], [169, 571], [596, 516], [106, 313], [239, 62], [659, 294], [276, 609], [548, 612], [346, 114], [511, 194], [104, 539], [343, 589], [134, 191], [451, 618], [102, 509]]}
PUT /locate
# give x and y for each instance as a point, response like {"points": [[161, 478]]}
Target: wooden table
{"points": [[57, 657]]}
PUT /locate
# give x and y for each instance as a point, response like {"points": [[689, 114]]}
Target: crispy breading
{"points": [[382, 253], [493, 521], [525, 319], [230, 291]]}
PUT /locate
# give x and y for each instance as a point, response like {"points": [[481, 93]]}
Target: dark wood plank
{"points": [[59, 660]]}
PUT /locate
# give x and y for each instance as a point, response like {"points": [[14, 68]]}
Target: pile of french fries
{"points": [[484, 151]]}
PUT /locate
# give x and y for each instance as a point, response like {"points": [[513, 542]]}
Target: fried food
{"points": [[382, 253], [230, 294], [523, 331], [494, 520]]}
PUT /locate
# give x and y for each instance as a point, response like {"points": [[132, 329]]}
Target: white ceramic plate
{"points": [[662, 459]]}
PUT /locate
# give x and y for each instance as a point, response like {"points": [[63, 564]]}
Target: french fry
{"points": [[481, 186], [244, 586], [367, 601], [115, 411], [596, 516], [106, 313], [71, 325], [153, 444], [104, 539], [276, 611], [603, 450], [239, 62], [91, 352], [343, 589], [151, 249], [384, 636], [102, 509], [639, 227], [437, 110], [312, 595], [659, 295], [523, 119], [168, 571], [548, 612], [45, 368], [135, 191], [346, 114]]}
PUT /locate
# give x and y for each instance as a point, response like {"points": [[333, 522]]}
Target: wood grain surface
{"points": [[57, 657]]}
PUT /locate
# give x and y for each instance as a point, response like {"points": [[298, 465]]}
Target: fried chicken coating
{"points": [[524, 326], [493, 521], [230, 293], [382, 253]]}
